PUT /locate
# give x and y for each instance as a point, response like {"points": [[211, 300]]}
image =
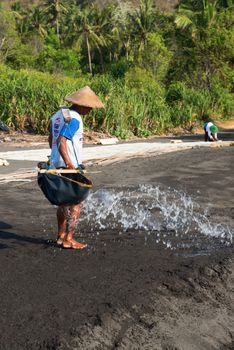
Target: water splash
{"points": [[149, 209]]}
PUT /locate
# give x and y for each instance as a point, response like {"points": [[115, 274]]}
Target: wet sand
{"points": [[128, 290]]}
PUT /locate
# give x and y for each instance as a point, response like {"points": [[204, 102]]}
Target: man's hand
{"points": [[70, 166]]}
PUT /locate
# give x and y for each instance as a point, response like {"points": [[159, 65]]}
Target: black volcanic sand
{"points": [[123, 292]]}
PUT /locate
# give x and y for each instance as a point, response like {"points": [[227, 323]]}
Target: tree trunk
{"points": [[89, 55], [2, 43], [57, 28], [101, 58]]}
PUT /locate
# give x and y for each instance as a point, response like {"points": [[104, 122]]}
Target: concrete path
{"points": [[100, 152], [23, 163]]}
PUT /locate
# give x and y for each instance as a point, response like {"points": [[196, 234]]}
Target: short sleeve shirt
{"points": [[73, 131]]}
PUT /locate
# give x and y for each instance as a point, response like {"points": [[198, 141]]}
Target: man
{"points": [[66, 141], [211, 132]]}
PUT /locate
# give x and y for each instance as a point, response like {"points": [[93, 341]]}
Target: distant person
{"points": [[66, 142], [211, 132]]}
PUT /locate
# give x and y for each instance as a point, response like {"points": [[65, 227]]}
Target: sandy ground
{"points": [[138, 285]]}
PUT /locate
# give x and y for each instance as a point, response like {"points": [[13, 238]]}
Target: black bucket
{"points": [[64, 189]]}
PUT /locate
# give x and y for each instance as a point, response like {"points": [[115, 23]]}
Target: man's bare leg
{"points": [[69, 241], [62, 223]]}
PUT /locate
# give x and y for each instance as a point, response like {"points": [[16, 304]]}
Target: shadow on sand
{"points": [[6, 235]]}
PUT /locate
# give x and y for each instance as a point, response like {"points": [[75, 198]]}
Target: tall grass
{"points": [[185, 103], [29, 99]]}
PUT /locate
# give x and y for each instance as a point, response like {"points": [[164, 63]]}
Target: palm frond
{"points": [[183, 22]]}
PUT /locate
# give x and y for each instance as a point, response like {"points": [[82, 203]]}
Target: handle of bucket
{"points": [[59, 171]]}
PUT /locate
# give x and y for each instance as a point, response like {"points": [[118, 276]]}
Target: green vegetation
{"points": [[154, 70]]}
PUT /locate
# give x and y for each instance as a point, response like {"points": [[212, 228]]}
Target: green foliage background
{"points": [[153, 69]]}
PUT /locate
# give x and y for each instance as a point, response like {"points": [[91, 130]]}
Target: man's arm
{"points": [[62, 147], [209, 134]]}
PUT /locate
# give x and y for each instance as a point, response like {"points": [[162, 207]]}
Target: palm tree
{"points": [[36, 20], [198, 24], [121, 34], [20, 18], [90, 25], [55, 9], [197, 21], [143, 22]]}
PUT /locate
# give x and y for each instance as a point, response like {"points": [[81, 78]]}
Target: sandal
{"points": [[73, 244]]}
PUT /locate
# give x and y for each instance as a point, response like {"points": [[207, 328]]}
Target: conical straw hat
{"points": [[85, 97]]}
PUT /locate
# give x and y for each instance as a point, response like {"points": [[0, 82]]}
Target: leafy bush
{"points": [[155, 57], [223, 102], [118, 69]]}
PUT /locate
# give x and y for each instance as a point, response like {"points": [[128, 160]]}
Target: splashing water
{"points": [[147, 208]]}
